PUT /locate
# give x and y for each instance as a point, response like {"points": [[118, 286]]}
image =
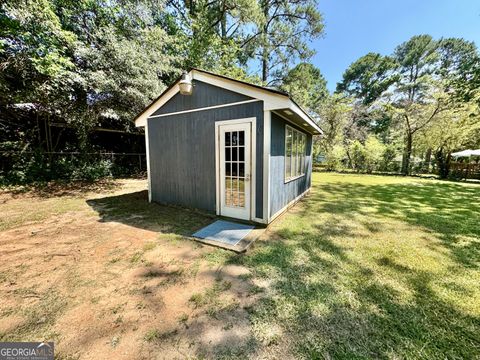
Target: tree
{"points": [[123, 58], [123, 75], [406, 93], [416, 59], [282, 36], [333, 117], [427, 68], [85, 63], [368, 78], [213, 32], [460, 66], [456, 128], [35, 54], [36, 69], [307, 86], [366, 81]]}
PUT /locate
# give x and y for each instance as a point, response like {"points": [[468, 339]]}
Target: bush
{"points": [[374, 151], [357, 155], [334, 158], [388, 162], [38, 167], [93, 171]]}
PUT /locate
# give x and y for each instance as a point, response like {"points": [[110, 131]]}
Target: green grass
{"points": [[40, 318], [366, 267], [212, 299], [20, 212], [156, 335], [373, 267]]}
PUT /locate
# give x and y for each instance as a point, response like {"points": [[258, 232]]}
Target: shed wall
{"points": [[182, 154], [282, 193]]}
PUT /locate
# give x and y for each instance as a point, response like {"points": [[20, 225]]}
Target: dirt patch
{"points": [[117, 278], [59, 188]]}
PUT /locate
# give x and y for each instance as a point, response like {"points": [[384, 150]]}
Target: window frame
{"points": [[297, 156]]}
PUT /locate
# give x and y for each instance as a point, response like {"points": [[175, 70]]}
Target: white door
{"points": [[235, 171]]}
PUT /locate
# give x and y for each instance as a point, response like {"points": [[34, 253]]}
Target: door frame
{"points": [[253, 129]]}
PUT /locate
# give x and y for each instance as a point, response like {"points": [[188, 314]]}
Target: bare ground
{"points": [[366, 267], [104, 274]]}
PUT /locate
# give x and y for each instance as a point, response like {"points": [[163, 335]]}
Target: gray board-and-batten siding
{"points": [[182, 147], [281, 193]]}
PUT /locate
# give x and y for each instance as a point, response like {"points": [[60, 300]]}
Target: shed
{"points": [[228, 147]]}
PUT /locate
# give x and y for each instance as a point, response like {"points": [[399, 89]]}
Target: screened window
{"points": [[295, 152]]}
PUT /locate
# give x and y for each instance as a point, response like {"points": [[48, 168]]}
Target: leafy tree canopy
{"points": [[306, 84], [368, 78]]}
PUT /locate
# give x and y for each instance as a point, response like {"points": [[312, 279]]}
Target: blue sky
{"points": [[356, 27]]}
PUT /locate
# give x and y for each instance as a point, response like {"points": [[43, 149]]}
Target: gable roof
{"points": [[273, 99]]}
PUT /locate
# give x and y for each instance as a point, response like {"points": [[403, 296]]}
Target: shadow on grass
{"points": [[331, 304], [364, 319], [133, 209], [449, 211]]}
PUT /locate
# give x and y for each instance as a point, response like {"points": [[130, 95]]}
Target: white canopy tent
{"points": [[466, 153]]}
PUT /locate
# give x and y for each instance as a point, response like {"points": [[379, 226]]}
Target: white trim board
{"points": [[204, 108], [296, 126], [147, 159], [271, 100], [266, 163], [142, 119]]}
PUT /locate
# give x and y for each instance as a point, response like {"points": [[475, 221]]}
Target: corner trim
{"points": [[266, 163], [147, 158]]}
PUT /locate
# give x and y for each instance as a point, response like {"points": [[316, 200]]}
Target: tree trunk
{"points": [[264, 68], [265, 50], [350, 162], [223, 25], [443, 162], [407, 153], [223, 22], [428, 159]]}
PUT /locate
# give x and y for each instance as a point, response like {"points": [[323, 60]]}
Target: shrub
{"points": [[334, 158], [374, 151], [38, 167], [357, 155], [93, 171], [388, 159]]}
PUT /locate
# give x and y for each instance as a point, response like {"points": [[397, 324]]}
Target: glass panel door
{"points": [[235, 170]]}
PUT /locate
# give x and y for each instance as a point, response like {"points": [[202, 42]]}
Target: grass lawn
{"points": [[365, 267], [373, 267]]}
